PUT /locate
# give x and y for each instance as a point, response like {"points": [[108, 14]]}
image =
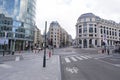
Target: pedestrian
{"points": [[108, 50]]}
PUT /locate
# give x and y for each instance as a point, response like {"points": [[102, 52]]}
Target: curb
{"points": [[11, 58], [59, 68]]}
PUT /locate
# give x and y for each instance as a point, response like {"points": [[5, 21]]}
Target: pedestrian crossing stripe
{"points": [[73, 58], [76, 58], [79, 58], [67, 60], [84, 57]]}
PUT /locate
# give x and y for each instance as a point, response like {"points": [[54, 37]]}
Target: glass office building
{"points": [[17, 22]]}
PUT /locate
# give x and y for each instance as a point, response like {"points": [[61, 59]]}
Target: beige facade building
{"points": [[38, 38], [58, 35], [93, 31]]}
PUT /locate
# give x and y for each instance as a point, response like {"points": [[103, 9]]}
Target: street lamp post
{"points": [[44, 57], [4, 49], [13, 44]]}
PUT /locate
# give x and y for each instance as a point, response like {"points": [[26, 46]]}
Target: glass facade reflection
{"points": [[21, 30]]}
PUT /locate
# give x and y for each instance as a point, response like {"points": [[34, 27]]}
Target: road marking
{"points": [[118, 65], [73, 58], [72, 70], [73, 52], [79, 58], [88, 56], [17, 58], [5, 66], [67, 60], [84, 57]]}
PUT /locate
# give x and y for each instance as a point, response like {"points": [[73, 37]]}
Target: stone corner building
{"points": [[93, 31]]}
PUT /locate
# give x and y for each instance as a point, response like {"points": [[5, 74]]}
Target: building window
{"points": [[80, 26], [95, 30], [80, 41], [90, 19], [90, 25], [91, 29], [84, 29], [90, 35], [2, 34], [104, 31], [107, 32], [80, 30], [90, 41], [101, 31], [95, 42], [115, 33], [110, 32], [79, 35], [84, 19]]}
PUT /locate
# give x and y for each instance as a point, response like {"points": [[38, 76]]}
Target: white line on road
{"points": [[84, 57], [5, 66], [73, 59], [17, 58], [67, 60], [79, 58]]}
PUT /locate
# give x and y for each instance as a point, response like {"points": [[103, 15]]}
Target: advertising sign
{"points": [[3, 41]]}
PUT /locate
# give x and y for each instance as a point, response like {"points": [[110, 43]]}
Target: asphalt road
{"points": [[80, 66]]}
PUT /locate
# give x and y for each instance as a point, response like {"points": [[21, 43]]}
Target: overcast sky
{"points": [[66, 12]]}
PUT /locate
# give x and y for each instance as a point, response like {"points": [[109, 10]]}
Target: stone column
{"points": [[82, 43], [93, 42], [99, 42], [23, 48]]}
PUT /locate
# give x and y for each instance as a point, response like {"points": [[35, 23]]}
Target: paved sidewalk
{"points": [[31, 69]]}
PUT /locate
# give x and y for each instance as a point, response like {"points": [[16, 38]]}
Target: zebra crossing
{"points": [[76, 58]]}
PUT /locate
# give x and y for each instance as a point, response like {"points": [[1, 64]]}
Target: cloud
{"points": [[61, 2], [66, 12]]}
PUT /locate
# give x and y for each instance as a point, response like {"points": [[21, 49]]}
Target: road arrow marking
{"points": [[17, 58], [5, 66]]}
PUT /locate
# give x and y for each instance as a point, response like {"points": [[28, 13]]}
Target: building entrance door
{"points": [[85, 43]]}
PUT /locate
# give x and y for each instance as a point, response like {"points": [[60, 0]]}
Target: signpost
{"points": [[44, 57]]}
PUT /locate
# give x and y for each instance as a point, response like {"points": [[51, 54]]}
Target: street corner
{"points": [[53, 67]]}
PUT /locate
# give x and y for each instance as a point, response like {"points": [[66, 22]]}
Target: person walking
{"points": [[108, 50]]}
